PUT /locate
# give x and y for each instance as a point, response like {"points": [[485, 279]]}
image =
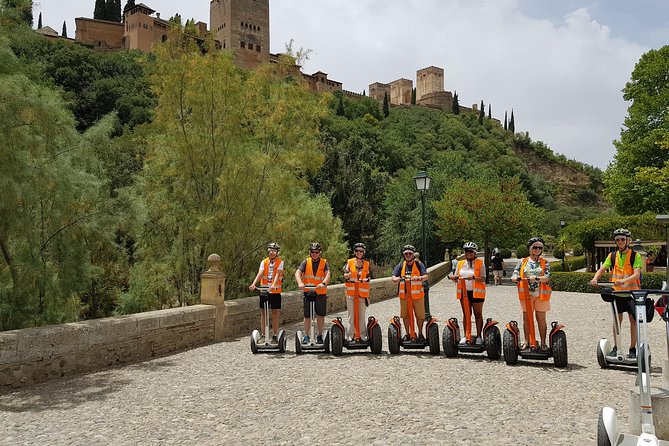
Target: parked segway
{"points": [[395, 337], [604, 347], [557, 339], [313, 344], [256, 346], [338, 332], [492, 340], [607, 426]]}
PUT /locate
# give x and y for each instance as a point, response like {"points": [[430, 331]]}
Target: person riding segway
{"points": [[625, 266], [312, 277], [270, 275], [358, 336], [470, 276], [410, 275], [532, 275]]}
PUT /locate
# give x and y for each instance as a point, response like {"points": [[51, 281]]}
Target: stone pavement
{"points": [[223, 394]]}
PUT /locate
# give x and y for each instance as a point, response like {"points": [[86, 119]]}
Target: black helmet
{"points": [[622, 231], [314, 246], [409, 248], [359, 245], [533, 240], [273, 246], [471, 245]]}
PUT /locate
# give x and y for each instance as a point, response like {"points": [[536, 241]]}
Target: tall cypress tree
{"points": [[386, 107], [39, 21], [489, 112], [129, 5], [100, 11], [413, 96], [455, 106], [506, 126], [113, 10], [512, 124], [64, 33], [364, 93], [481, 112], [340, 106]]}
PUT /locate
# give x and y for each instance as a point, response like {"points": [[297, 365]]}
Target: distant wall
{"points": [[39, 354]]}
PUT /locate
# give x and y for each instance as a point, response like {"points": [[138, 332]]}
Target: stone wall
{"points": [[39, 354]]}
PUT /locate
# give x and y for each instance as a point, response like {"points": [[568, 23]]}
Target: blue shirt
{"points": [[397, 272]]}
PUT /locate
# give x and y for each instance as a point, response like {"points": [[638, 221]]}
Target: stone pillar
{"points": [[212, 292]]}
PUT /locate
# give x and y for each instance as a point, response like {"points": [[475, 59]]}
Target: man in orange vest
{"points": [[470, 275], [626, 274], [357, 276], [270, 275], [313, 275], [411, 292]]}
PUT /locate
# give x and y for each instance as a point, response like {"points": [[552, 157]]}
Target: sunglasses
{"points": [[359, 250], [620, 239], [469, 250], [408, 253], [314, 252], [538, 247]]}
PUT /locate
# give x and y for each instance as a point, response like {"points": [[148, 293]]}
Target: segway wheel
{"points": [[448, 342], [600, 357], [509, 348], [337, 340], [282, 343], [254, 346], [602, 435], [393, 340], [433, 338], [560, 349], [377, 341], [326, 341], [298, 344], [493, 341]]}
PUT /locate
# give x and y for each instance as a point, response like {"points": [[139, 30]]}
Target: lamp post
{"points": [[564, 254], [665, 219], [423, 185]]}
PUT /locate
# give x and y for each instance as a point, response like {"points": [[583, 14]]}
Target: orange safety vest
{"points": [[311, 280], [478, 288], [627, 270], [363, 287], [544, 289], [264, 280], [417, 291]]}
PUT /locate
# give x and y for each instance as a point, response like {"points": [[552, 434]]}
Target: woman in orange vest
{"points": [[314, 273], [412, 294], [470, 275], [270, 275], [357, 276], [537, 271]]}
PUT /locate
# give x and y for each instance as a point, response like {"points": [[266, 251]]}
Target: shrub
{"points": [[578, 250], [580, 282], [522, 252], [558, 253], [505, 252], [572, 264]]}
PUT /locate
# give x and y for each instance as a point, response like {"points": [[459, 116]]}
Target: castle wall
{"points": [[377, 91], [440, 99], [429, 80], [400, 91], [101, 35]]}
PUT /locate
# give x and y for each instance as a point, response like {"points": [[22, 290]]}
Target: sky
{"points": [[560, 65]]}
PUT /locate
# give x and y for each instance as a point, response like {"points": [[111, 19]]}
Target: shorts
{"points": [[498, 273], [472, 300], [320, 306], [274, 300], [623, 303], [539, 305], [418, 308]]}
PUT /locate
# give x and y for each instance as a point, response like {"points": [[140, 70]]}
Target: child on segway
{"points": [[357, 276], [270, 275], [312, 277], [470, 275]]}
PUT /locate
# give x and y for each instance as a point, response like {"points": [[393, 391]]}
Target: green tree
{"points": [[506, 125], [39, 21], [18, 11], [100, 10], [364, 93], [455, 106], [386, 107], [489, 112], [413, 96], [636, 180], [129, 5], [340, 106], [512, 123], [481, 112], [64, 31]]}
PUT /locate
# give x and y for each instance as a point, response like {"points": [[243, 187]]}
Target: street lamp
{"points": [[423, 185], [665, 219]]}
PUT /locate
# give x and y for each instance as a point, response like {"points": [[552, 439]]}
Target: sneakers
{"points": [[421, 338], [632, 354], [614, 352], [261, 340], [463, 341], [305, 339], [479, 341], [275, 341], [319, 339]]}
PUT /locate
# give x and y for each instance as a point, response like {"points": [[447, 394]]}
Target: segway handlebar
{"points": [[606, 284]]}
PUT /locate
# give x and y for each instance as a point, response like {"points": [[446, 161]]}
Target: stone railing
{"points": [[38, 354]]}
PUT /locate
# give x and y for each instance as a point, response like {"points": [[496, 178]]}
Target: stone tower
{"points": [[429, 80], [242, 26]]}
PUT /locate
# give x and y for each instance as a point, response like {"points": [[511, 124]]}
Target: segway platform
{"points": [[395, 338], [492, 340], [557, 346], [339, 341], [267, 346]]}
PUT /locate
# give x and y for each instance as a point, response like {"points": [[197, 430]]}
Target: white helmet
{"points": [[470, 245]]}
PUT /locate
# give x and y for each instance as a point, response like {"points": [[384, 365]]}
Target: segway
{"points": [[557, 340], [607, 425], [492, 339], [604, 347], [395, 338], [267, 346], [313, 345], [338, 332]]}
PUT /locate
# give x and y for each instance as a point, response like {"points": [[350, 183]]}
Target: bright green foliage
{"points": [[637, 179], [225, 160], [490, 212], [586, 232], [17, 12]]}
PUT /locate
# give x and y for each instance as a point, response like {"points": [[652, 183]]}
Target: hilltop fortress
{"points": [[242, 27]]}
